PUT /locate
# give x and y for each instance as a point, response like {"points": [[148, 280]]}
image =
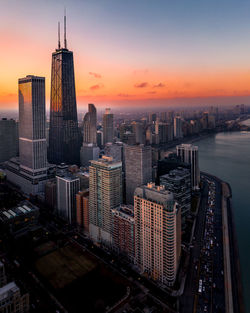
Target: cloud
{"points": [[96, 75], [141, 85], [160, 85], [151, 92], [124, 95], [96, 87]]}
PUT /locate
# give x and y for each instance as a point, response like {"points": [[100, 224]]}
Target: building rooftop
{"points": [[22, 208], [176, 174], [107, 162], [7, 289]]}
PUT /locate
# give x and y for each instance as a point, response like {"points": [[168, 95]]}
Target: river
{"points": [[227, 155]]}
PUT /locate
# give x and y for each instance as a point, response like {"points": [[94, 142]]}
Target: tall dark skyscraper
{"points": [[64, 134]]}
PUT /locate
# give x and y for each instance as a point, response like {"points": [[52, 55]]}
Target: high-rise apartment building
{"points": [[8, 139], [67, 188], [64, 134], [178, 181], [157, 233], [30, 170], [189, 154], [178, 127], [123, 231], [89, 125], [108, 127], [82, 210], [105, 193], [138, 168]]}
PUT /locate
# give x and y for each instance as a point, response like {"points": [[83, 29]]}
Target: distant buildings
{"points": [[178, 181], [189, 154], [105, 193], [178, 127], [29, 172], [67, 188], [138, 168], [8, 139], [123, 231], [64, 134], [157, 233], [108, 127]]}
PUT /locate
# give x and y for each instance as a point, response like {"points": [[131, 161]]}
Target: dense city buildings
{"points": [[123, 231], [8, 139], [115, 150], [29, 172], [51, 194], [108, 127], [89, 125], [189, 154], [157, 233], [67, 188], [178, 181], [138, 168], [64, 134], [105, 193]]}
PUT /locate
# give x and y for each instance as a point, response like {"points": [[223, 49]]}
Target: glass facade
{"points": [[64, 134]]}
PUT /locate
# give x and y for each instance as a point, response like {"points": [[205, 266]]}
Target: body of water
{"points": [[227, 156]]}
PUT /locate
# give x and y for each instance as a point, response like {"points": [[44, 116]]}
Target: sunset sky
{"points": [[132, 52]]}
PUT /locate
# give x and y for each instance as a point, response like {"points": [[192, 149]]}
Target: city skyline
{"points": [[162, 55]]}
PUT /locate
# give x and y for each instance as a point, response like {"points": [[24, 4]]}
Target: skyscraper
{"points": [[8, 139], [108, 127], [157, 233], [67, 188], [105, 193], [89, 125], [30, 170], [189, 154], [64, 134], [138, 168]]}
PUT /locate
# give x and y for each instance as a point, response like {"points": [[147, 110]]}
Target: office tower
{"points": [[64, 134], [82, 210], [108, 127], [84, 179], [89, 151], [67, 188], [123, 231], [8, 139], [30, 170], [178, 181], [138, 168], [170, 117], [157, 233], [189, 154], [138, 131], [89, 125], [163, 117], [105, 193], [114, 150], [178, 127], [50, 194]]}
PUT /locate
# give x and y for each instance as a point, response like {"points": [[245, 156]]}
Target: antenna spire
{"points": [[65, 40], [59, 42]]}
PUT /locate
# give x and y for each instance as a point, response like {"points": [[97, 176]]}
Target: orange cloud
{"points": [[96, 75], [141, 85]]}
